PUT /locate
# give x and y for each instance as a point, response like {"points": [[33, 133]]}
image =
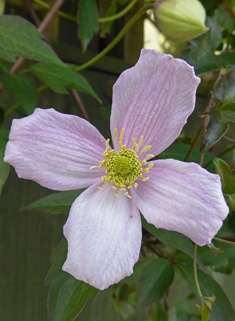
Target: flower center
{"points": [[123, 168]]}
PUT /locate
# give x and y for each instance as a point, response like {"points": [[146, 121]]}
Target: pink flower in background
{"points": [[151, 103]]}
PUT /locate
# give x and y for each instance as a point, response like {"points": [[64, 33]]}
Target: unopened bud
{"points": [[180, 20]]}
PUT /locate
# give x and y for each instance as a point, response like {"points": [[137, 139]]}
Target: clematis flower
{"points": [[151, 103]]}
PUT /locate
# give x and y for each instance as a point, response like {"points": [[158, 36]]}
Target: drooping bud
{"points": [[180, 20], [2, 6]]}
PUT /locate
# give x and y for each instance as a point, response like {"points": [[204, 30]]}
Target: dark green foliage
{"points": [[67, 296], [55, 203], [4, 167], [59, 78], [23, 89], [222, 309], [18, 37], [87, 18]]}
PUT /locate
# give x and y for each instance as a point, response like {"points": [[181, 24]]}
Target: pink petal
{"points": [[182, 197], [55, 150], [104, 237], [154, 99]]}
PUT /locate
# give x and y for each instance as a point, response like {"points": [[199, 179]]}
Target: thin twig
{"points": [[221, 154], [41, 28], [79, 103]]}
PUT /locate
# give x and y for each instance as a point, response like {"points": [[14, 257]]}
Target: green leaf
{"points": [[172, 239], [179, 151], [88, 21], [203, 44], [224, 89], [224, 18], [208, 257], [67, 296], [18, 37], [106, 26], [231, 201], [23, 90], [4, 167], [211, 62], [55, 203], [215, 129], [227, 176], [1, 116], [222, 309], [157, 277], [106, 112], [4, 65], [58, 78]]}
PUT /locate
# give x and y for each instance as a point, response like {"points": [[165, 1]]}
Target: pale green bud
{"points": [[180, 20], [2, 6]]}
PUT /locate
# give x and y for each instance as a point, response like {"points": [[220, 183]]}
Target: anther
{"points": [[114, 187], [145, 149], [93, 167], [127, 194], [122, 134], [149, 156], [133, 142], [136, 147], [135, 185], [124, 147], [119, 144], [107, 142], [144, 162], [145, 178], [145, 170], [150, 165], [117, 194], [115, 133], [101, 187], [140, 140]]}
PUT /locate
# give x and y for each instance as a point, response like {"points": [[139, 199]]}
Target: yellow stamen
{"points": [[136, 147], [93, 167], [122, 134], [145, 178], [140, 140], [123, 147], [150, 165], [114, 187], [127, 194], [129, 186], [149, 156], [133, 142], [146, 170], [144, 162], [107, 142], [145, 149], [119, 144], [115, 133], [101, 187], [135, 185], [117, 194]]}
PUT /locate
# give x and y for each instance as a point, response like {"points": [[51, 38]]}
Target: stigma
{"points": [[122, 167]]}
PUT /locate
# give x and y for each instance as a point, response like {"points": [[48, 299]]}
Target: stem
{"points": [[224, 241], [117, 39], [80, 104], [221, 154], [101, 20], [41, 28], [195, 270], [60, 13], [196, 139], [120, 14]]}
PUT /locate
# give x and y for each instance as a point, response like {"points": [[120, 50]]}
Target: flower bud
{"points": [[180, 20]]}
